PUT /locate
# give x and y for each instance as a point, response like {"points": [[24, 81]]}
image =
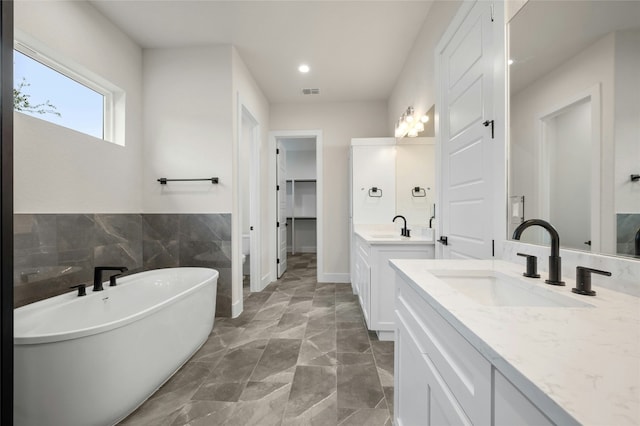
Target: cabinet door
{"points": [[383, 282], [365, 291], [422, 397], [511, 407]]}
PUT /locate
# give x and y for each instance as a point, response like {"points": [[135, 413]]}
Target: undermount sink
{"points": [[493, 288]]}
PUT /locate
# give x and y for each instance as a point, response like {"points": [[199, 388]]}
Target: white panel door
{"points": [[466, 128], [281, 176]]}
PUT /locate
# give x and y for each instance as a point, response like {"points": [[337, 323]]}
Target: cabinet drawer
{"points": [[421, 395], [463, 368]]}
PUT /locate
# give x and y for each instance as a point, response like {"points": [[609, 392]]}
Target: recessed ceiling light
{"points": [[304, 68]]}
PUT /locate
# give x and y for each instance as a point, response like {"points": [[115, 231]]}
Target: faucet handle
{"points": [[82, 289], [112, 280], [532, 265], [583, 280]]}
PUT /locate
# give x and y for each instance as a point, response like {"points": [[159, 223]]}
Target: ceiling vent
{"points": [[310, 91]]}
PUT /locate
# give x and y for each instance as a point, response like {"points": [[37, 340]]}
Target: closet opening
{"points": [[298, 184]]}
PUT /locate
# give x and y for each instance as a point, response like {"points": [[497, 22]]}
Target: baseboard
{"points": [[334, 278], [265, 281], [236, 309]]}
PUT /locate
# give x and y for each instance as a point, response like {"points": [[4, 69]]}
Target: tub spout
{"points": [[97, 275]]}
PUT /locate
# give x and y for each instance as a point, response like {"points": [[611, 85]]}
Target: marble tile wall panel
{"points": [[55, 251], [160, 243], [205, 241]]}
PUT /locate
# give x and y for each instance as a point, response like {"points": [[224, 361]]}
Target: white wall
{"points": [[187, 129], [416, 85], [244, 164], [592, 66], [301, 164], [627, 121], [247, 94], [58, 170], [415, 166], [339, 123]]}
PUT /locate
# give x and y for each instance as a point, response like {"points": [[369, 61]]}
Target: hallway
{"points": [[298, 354]]}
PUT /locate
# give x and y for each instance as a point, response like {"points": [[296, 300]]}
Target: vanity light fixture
{"points": [[409, 124]]}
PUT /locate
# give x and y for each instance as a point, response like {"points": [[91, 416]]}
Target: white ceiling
{"points": [[356, 49]]}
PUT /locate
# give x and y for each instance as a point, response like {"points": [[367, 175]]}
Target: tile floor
{"points": [[299, 354]]}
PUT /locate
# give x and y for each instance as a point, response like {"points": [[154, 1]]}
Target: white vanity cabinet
{"points": [[374, 279], [441, 379], [362, 278]]}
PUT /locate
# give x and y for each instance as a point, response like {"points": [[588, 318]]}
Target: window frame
{"points": [[108, 108]]}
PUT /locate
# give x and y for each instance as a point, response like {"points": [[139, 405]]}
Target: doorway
{"points": [[247, 233], [569, 178], [296, 204]]}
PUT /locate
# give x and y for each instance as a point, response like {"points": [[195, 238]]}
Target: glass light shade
{"points": [[424, 118], [419, 126], [412, 133]]}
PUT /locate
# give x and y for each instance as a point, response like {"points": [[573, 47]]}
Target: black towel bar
{"points": [[163, 181]]}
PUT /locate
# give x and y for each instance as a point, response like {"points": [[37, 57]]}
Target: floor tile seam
{"points": [[256, 365], [335, 392], [375, 363], [243, 383], [262, 355], [286, 405], [207, 363]]}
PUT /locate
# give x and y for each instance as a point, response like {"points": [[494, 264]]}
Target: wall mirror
{"points": [[574, 123], [415, 180]]}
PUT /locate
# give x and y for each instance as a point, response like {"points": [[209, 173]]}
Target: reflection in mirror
{"points": [[415, 169], [574, 123]]}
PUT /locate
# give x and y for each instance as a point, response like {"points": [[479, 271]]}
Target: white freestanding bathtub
{"points": [[93, 360]]}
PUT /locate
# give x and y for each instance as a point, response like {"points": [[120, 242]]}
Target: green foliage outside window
{"points": [[21, 102]]}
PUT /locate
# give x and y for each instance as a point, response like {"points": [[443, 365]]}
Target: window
{"points": [[50, 91]]}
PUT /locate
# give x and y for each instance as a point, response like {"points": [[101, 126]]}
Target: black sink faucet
{"points": [[555, 264], [97, 275], [404, 232]]}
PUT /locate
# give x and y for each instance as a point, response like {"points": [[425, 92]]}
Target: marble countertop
{"points": [[576, 364], [380, 234]]}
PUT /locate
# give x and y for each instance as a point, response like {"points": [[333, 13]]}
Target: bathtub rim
{"points": [[70, 297]]}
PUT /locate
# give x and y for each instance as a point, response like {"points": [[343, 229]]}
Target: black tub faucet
{"points": [[404, 232], [97, 275], [555, 264]]}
